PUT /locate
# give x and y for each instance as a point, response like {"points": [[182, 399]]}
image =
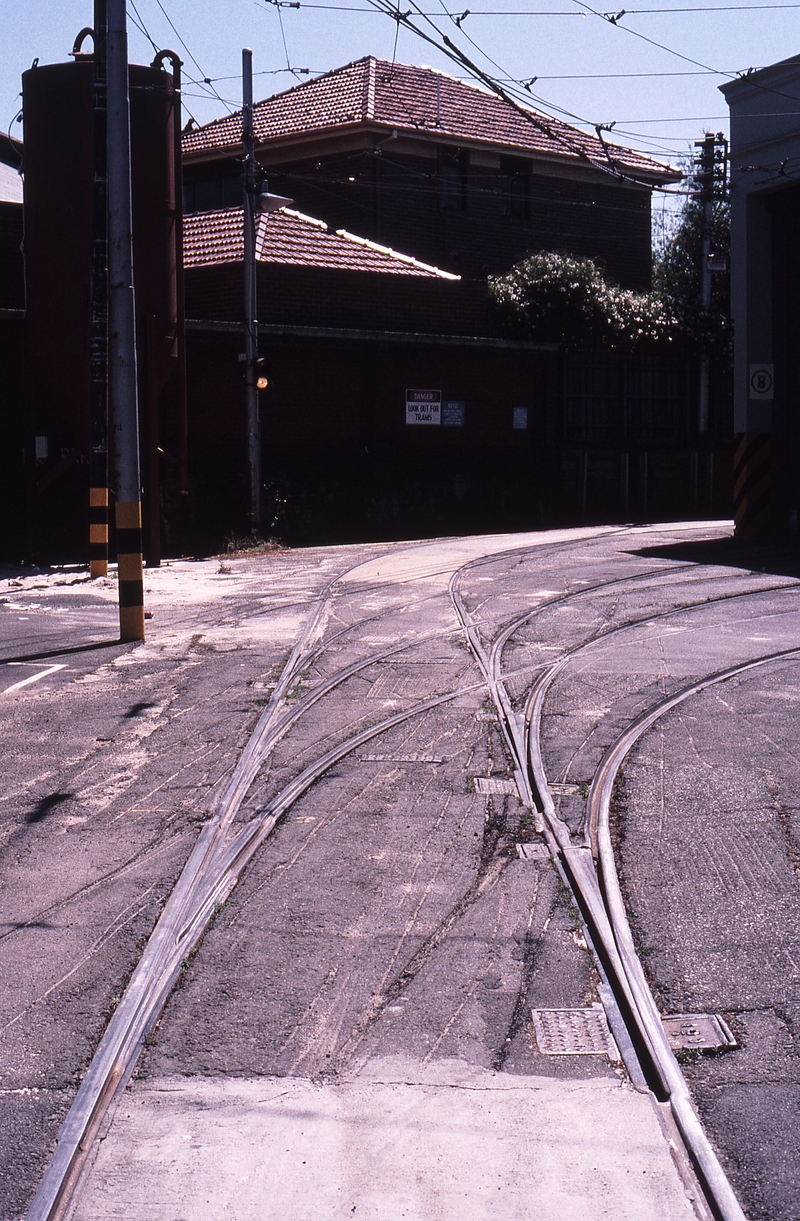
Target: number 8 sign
{"points": [[762, 380]]}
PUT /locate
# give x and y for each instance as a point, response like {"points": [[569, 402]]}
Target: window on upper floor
{"points": [[207, 194], [515, 187], [453, 167]]}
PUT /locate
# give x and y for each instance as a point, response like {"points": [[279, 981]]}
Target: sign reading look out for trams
{"points": [[423, 406]]}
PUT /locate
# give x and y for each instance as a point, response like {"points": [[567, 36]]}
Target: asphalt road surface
{"points": [[354, 1035]]}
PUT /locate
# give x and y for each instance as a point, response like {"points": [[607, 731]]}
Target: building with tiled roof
{"points": [[289, 237], [418, 160]]}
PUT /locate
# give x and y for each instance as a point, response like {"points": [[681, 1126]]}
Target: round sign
{"points": [[761, 381]]}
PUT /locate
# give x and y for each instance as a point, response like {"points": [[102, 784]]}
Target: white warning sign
{"points": [[423, 406]]}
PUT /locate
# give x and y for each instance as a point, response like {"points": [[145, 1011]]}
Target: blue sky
{"points": [[586, 66]]}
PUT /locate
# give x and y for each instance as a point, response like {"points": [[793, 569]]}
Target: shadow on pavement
{"points": [[77, 648], [780, 556], [46, 804]]}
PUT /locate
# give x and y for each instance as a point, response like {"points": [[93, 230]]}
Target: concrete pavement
{"points": [[376, 968]]}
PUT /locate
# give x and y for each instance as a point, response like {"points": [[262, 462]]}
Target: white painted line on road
{"points": [[33, 678]]}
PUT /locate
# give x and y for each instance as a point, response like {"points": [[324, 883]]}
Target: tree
{"points": [[676, 276], [559, 298]]}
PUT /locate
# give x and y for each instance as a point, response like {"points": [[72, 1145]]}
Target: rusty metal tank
{"points": [[57, 110]]}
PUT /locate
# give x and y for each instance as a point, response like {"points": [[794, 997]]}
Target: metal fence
{"points": [[639, 401]]}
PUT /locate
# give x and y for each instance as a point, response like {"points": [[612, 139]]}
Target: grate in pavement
{"points": [[701, 1030], [495, 784], [401, 758], [574, 1032]]}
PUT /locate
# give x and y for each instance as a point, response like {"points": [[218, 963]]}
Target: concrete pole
{"points": [[98, 342], [707, 199], [250, 185], [122, 333]]}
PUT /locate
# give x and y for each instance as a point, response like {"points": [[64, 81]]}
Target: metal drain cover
{"points": [[533, 852], [574, 1032], [401, 758], [704, 1031], [495, 784]]}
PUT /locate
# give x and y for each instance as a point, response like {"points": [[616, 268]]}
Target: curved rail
{"points": [[621, 960], [221, 852], [599, 803]]}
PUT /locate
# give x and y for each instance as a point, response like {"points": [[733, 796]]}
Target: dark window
{"points": [[516, 177], [453, 164], [206, 194]]}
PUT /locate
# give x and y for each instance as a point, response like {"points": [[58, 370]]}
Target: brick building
{"points": [[12, 302], [415, 159], [347, 329], [765, 265]]}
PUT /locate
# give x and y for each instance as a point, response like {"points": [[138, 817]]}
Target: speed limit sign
{"points": [[762, 381]]}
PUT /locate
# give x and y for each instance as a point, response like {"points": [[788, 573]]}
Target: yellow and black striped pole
{"points": [[129, 570], [752, 484], [122, 333], [98, 532]]}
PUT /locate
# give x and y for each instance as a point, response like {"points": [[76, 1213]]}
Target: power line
{"points": [[206, 80], [477, 12]]}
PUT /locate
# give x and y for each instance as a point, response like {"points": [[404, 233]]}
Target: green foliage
{"points": [[559, 298], [676, 275]]}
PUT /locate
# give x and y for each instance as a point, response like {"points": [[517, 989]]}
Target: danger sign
{"points": [[423, 406], [762, 380]]}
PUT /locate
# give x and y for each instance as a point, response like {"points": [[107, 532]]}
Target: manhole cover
{"points": [[533, 852], [699, 1030], [574, 1032], [495, 784]]}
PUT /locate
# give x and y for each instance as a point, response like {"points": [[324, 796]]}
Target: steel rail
{"points": [[626, 968], [134, 1013], [209, 875], [177, 932], [599, 897], [599, 801], [516, 727]]}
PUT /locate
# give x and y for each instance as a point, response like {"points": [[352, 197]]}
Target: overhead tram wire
{"points": [[138, 21], [445, 45], [615, 20], [206, 80], [486, 12], [507, 95], [611, 19], [454, 53]]}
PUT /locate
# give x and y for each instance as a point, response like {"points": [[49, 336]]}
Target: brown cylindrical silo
{"points": [[57, 109]]}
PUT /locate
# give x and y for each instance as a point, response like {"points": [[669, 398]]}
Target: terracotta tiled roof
{"points": [[290, 237], [422, 100]]}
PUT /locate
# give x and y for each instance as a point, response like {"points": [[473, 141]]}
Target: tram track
{"points": [[223, 850], [590, 868]]}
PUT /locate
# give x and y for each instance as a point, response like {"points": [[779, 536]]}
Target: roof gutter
{"points": [[658, 174], [340, 333]]}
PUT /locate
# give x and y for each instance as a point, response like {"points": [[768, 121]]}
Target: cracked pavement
{"points": [[373, 973]]}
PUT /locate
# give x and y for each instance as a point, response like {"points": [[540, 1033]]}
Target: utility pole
{"points": [[707, 150], [122, 333], [251, 185], [98, 341]]}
